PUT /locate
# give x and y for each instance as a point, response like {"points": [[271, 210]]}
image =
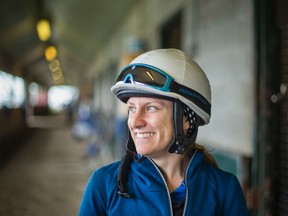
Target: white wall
{"points": [[225, 52]]}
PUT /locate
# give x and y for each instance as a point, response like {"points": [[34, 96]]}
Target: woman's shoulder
{"points": [[218, 177], [106, 172], [228, 188], [109, 167]]}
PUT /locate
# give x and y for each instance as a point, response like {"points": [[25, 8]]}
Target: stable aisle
{"points": [[46, 177]]}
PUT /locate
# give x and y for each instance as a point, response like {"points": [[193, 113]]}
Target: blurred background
{"points": [[59, 121]]}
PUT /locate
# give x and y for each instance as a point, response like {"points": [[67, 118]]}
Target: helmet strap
{"points": [[181, 141]]}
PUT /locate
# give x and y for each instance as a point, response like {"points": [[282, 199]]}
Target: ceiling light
{"points": [[50, 53], [43, 29]]}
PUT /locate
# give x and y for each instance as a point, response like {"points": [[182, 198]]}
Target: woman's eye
{"points": [[151, 108], [131, 109]]}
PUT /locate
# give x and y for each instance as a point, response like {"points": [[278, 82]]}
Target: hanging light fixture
{"points": [[43, 27], [50, 53]]}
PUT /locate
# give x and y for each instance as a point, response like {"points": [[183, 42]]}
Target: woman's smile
{"points": [[144, 135]]}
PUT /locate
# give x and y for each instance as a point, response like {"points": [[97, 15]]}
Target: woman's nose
{"points": [[137, 120]]}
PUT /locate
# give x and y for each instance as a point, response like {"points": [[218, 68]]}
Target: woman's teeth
{"points": [[144, 135]]}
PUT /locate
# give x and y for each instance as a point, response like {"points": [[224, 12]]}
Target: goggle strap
{"points": [[192, 95]]}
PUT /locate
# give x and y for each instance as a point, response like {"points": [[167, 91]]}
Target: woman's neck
{"points": [[173, 169]]}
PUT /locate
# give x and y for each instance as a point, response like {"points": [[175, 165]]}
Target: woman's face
{"points": [[151, 125]]}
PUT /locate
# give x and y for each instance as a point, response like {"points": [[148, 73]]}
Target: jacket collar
{"points": [[147, 174]]}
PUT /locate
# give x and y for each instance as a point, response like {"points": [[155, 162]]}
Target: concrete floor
{"points": [[47, 176]]}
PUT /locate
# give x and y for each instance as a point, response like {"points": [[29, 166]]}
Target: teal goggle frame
{"points": [[146, 75]]}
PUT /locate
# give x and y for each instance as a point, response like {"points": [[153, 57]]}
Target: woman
{"points": [[164, 172]]}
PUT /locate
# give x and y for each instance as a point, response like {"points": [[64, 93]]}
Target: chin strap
{"points": [[181, 142], [124, 168], [123, 172]]}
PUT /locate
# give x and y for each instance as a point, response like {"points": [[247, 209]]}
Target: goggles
{"points": [[146, 75]]}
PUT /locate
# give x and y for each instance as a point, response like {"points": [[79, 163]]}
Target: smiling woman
{"points": [[164, 171]]}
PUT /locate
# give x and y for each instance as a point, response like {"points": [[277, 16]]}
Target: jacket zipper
{"points": [[185, 179], [167, 190]]}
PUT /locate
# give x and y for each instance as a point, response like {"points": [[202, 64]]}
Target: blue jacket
{"points": [[210, 191]]}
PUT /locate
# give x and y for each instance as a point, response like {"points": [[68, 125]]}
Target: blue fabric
{"points": [[211, 191], [178, 194]]}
